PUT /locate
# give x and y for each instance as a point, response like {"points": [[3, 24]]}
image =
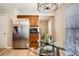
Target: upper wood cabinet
{"points": [[34, 22]]}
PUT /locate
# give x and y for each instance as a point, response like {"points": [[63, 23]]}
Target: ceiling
{"points": [[44, 18], [24, 8]]}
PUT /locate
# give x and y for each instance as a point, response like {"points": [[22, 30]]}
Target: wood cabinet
{"points": [[34, 22], [33, 40]]}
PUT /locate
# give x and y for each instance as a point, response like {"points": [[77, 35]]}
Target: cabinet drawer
{"points": [[34, 45]]}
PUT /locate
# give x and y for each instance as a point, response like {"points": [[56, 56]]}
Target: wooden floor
{"points": [[18, 52]]}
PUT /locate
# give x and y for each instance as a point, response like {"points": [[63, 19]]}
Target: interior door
{"points": [[3, 31]]}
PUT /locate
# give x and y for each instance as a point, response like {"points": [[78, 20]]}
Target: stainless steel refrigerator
{"points": [[21, 33]]}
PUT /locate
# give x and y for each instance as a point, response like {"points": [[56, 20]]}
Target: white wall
{"points": [[43, 26], [50, 25], [60, 24]]}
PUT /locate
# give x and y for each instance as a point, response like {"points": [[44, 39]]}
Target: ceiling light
{"points": [[47, 7]]}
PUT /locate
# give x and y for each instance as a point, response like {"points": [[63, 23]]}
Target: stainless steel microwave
{"points": [[34, 30]]}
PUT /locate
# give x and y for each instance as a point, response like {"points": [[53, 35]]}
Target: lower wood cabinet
{"points": [[33, 40]]}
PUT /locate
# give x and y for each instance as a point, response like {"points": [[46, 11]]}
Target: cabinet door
{"points": [[34, 37], [31, 21], [34, 21], [34, 45], [33, 40]]}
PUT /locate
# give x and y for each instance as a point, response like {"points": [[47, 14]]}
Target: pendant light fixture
{"points": [[47, 7]]}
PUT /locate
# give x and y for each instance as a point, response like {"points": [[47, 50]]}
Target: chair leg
{"points": [[58, 52]]}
